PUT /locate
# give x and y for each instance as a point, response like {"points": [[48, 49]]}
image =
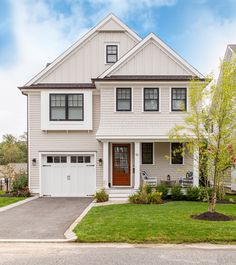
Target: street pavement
{"points": [[114, 254]]}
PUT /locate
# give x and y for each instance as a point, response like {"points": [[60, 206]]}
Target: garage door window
{"points": [[80, 159], [56, 159]]}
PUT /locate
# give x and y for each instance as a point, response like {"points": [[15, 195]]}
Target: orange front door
{"points": [[121, 164]]}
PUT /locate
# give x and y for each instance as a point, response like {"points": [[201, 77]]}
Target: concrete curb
{"points": [[69, 234], [36, 240], [13, 205]]}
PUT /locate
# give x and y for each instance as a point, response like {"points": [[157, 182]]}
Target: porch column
{"points": [[196, 167], [105, 164], [137, 165]]}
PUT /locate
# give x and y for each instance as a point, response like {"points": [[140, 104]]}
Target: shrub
{"points": [[154, 197], [138, 198], [148, 188], [209, 190], [20, 182], [193, 194], [176, 193], [163, 189], [101, 196]]}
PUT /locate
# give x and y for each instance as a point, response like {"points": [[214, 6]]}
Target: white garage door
{"points": [[68, 175]]}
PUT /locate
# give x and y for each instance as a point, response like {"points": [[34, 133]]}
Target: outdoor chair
{"points": [[187, 181], [152, 181]]}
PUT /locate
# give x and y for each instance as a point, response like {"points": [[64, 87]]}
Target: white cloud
{"points": [[205, 40]]}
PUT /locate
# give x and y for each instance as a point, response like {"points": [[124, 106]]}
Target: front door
{"points": [[121, 164]]}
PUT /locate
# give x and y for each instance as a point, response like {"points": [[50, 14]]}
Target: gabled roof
{"points": [[164, 47], [103, 23], [232, 47]]}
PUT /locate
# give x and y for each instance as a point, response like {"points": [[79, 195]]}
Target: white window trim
{"points": [[153, 153], [171, 157], [105, 51], [170, 99], [150, 111], [132, 100]]}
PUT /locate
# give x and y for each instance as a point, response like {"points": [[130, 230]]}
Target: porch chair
{"points": [[152, 181], [187, 181]]}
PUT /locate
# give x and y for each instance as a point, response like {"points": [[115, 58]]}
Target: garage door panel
{"points": [[68, 179]]}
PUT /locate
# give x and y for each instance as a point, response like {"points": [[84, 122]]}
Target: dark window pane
{"points": [[123, 98], [63, 159], [80, 159], [179, 99], [151, 99], [177, 153], [111, 53], [87, 159], [49, 159], [56, 159], [66, 107], [147, 153], [73, 159]]}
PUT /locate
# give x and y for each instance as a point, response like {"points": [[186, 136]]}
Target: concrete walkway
{"points": [[43, 218]]}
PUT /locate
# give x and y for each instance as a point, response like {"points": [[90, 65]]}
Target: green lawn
{"points": [[165, 223], [4, 201]]}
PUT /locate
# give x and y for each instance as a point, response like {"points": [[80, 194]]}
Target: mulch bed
{"points": [[208, 216]]}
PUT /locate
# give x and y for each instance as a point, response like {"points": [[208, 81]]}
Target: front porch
{"points": [[124, 161]]}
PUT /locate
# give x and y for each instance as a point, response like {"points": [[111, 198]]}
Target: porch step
{"points": [[116, 194]]}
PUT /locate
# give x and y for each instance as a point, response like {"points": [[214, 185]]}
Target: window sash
{"points": [[70, 105], [123, 97], [176, 154], [147, 153], [111, 53], [151, 99], [178, 99]]}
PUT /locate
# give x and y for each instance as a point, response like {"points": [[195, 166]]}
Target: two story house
{"points": [[101, 113]]}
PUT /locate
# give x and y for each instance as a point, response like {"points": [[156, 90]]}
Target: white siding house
{"points": [[102, 111]]}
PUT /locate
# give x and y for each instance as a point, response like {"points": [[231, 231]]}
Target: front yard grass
{"points": [[4, 201], [165, 223]]}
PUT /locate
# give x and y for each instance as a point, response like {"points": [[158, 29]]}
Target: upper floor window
{"points": [[111, 53], [177, 154], [147, 153], [179, 99], [66, 107], [123, 99], [151, 99]]}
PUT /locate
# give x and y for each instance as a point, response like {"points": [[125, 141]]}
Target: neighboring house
{"points": [[230, 53], [101, 113], [10, 171]]}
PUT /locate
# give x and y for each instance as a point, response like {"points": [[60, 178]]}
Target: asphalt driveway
{"points": [[43, 218]]}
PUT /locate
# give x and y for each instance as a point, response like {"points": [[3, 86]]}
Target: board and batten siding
{"points": [[137, 122], [162, 166], [151, 60], [88, 60], [61, 141]]}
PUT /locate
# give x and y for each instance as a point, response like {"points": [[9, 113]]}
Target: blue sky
{"points": [[34, 32]]}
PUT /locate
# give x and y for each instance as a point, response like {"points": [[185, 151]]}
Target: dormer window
{"points": [[111, 53]]}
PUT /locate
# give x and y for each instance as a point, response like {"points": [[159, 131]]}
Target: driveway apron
{"points": [[43, 218]]}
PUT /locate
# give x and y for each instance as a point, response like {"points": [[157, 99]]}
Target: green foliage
{"points": [[163, 189], [149, 189], [154, 197], [212, 121], [146, 195], [193, 194], [101, 196], [13, 150], [20, 182], [176, 193], [20, 185]]}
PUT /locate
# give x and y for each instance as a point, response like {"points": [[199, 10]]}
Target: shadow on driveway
{"points": [[43, 218]]}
